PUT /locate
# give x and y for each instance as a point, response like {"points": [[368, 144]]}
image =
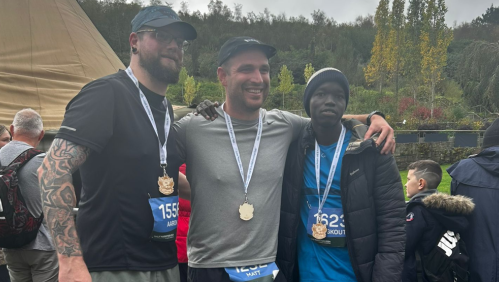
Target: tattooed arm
{"points": [[58, 200]]}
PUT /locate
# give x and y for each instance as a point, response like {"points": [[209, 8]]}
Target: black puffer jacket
{"points": [[373, 204], [429, 215]]}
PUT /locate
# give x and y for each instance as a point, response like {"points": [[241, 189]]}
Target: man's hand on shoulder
{"points": [[73, 269], [207, 109], [379, 124]]}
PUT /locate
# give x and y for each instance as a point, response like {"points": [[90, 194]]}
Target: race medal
{"points": [[246, 211], [326, 228], [165, 185], [319, 231]]}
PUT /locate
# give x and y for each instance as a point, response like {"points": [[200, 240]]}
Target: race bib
{"points": [[165, 213], [332, 218], [255, 273]]}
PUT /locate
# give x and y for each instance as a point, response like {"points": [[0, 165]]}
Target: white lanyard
{"points": [[147, 108], [254, 153], [332, 170]]}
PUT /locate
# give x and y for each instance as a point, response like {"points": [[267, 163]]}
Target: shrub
{"points": [[422, 113], [457, 113], [464, 127], [438, 113], [429, 126], [405, 103]]}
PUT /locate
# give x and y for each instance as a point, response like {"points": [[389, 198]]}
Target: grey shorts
{"points": [[32, 265], [168, 275]]}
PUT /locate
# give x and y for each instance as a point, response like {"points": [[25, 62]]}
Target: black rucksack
{"points": [[447, 261], [18, 226]]}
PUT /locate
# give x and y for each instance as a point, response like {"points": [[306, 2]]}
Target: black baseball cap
{"points": [[237, 44], [159, 16]]}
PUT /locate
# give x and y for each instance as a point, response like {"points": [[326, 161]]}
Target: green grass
{"points": [[444, 186]]}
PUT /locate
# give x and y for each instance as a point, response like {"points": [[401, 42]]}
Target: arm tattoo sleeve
{"points": [[58, 195]]}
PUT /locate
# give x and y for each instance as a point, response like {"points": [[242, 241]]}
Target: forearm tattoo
{"points": [[58, 194]]}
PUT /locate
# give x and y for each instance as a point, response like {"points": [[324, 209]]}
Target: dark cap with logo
{"points": [[160, 16], [236, 44]]}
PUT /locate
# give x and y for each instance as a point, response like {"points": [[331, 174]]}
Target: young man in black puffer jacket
{"points": [[431, 216], [360, 235]]}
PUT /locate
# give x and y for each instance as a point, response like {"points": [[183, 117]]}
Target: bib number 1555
{"points": [[169, 210]]}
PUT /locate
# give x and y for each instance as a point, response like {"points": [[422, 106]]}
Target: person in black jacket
{"points": [[429, 215], [478, 178], [354, 231]]}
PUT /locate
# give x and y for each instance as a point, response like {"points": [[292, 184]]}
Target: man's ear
{"points": [[40, 137], [12, 131], [421, 184], [222, 76], [133, 40]]}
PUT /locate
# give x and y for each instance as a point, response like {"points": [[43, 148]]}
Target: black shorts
{"points": [[217, 275]]}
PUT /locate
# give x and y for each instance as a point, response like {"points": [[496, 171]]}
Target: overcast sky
{"points": [[341, 10]]}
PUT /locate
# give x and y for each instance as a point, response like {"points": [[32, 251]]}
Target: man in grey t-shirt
{"points": [[233, 230], [36, 261]]}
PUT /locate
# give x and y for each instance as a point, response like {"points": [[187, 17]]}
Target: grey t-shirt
{"points": [[28, 183], [217, 236]]}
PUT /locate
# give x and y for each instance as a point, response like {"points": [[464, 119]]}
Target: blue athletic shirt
{"points": [[321, 263]]}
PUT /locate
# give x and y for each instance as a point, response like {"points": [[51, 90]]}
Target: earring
{"points": [[134, 50]]}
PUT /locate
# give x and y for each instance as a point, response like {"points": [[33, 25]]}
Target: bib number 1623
{"points": [[331, 220]]}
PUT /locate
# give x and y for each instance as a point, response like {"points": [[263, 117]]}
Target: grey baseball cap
{"points": [[159, 16]]}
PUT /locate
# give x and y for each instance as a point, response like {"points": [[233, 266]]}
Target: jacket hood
{"points": [[488, 160], [450, 211], [485, 168], [450, 204]]}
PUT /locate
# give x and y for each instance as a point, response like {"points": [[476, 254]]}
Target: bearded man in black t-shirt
{"points": [[117, 132]]}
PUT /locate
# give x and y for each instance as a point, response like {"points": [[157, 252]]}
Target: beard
{"points": [[165, 74]]}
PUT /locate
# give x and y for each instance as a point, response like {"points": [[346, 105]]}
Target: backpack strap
{"points": [[14, 166], [25, 157]]}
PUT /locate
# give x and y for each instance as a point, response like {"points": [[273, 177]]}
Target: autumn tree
{"points": [[308, 72], [435, 38], [182, 77], [285, 82], [396, 42], [377, 69], [189, 90], [412, 50]]}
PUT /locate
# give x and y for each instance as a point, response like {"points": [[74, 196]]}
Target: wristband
{"points": [[372, 114]]}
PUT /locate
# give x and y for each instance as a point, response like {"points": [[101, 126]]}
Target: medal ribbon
{"points": [[147, 108], [254, 153], [332, 170]]}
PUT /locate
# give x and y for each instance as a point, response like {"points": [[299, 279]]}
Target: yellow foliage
{"points": [[285, 80], [189, 90], [377, 69], [308, 72]]}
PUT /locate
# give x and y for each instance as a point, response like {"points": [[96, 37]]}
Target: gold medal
{"points": [[246, 211], [165, 185], [319, 231]]}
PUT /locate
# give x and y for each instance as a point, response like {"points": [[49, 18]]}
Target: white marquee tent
{"points": [[49, 49]]}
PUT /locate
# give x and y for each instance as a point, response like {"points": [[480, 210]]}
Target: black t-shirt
{"points": [[114, 219]]}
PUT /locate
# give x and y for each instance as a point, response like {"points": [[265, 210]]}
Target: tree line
{"points": [[407, 63]]}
